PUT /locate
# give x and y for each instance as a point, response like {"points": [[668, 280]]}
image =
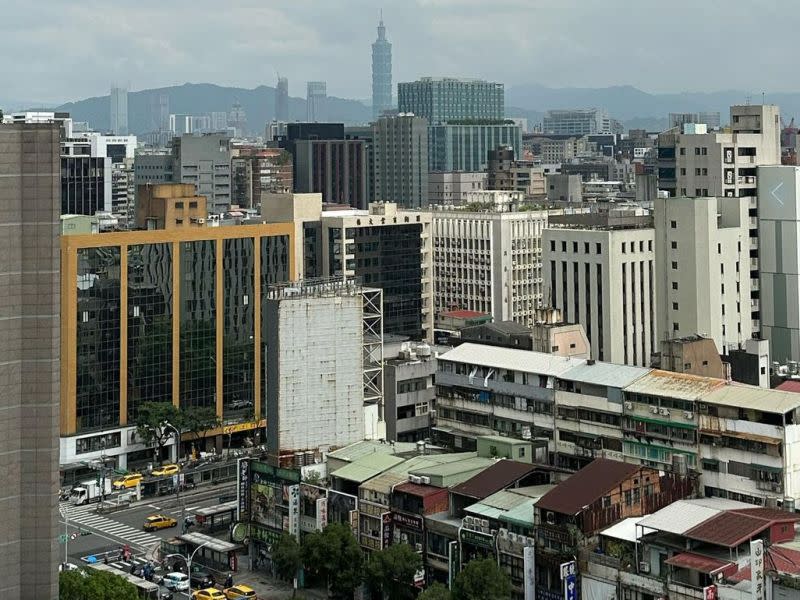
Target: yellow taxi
{"points": [[239, 591], [208, 594], [156, 522], [131, 480], [166, 470]]}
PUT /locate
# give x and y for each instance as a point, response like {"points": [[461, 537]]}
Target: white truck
{"points": [[89, 491]]}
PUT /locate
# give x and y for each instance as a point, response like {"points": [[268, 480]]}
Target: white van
{"points": [[176, 581]]}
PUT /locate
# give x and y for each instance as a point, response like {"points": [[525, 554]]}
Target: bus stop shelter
{"points": [[214, 518], [217, 555]]}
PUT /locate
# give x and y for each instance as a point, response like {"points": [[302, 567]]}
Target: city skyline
{"points": [[456, 37]]}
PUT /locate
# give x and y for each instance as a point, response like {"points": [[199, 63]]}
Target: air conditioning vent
{"points": [[688, 414], [644, 567], [654, 410], [629, 406], [664, 412]]}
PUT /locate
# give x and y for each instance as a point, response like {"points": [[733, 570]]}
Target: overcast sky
{"points": [[59, 50]]}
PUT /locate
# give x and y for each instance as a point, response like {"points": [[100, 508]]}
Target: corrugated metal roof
{"points": [[454, 468], [733, 527], [502, 474], [698, 562], [365, 447], [790, 385], [524, 361], [510, 505], [679, 517], [367, 467], [383, 483], [626, 530], [603, 373], [674, 385], [587, 485], [463, 314], [416, 489], [748, 396]]}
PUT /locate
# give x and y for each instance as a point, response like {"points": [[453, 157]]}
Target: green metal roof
{"points": [[454, 468], [511, 506], [367, 467], [364, 448]]}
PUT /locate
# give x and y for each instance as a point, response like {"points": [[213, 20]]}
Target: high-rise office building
{"points": [[119, 110], [282, 99], [601, 274], [335, 168], [29, 370], [489, 261], [446, 99], [381, 73], [166, 315], [316, 101], [577, 121], [400, 147], [465, 147], [238, 120], [703, 270], [384, 247]]}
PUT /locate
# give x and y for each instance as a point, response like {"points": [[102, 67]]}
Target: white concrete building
{"points": [[604, 279], [779, 258], [489, 262], [703, 270], [314, 369], [450, 187]]}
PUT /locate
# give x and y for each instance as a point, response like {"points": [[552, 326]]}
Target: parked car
{"points": [[208, 594], [239, 591], [165, 470], [176, 581], [156, 522], [202, 579]]}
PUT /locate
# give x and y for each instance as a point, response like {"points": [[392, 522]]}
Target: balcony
{"points": [[684, 591]]}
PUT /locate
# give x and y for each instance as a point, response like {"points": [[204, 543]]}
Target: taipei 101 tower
{"points": [[381, 72]]}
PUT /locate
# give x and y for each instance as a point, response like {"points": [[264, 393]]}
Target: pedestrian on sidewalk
{"points": [[229, 580]]}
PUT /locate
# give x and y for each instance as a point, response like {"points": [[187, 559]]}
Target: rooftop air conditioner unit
{"points": [[654, 410], [688, 414], [414, 479], [664, 412], [425, 479]]}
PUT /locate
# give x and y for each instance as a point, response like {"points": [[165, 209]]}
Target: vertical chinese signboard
{"points": [[322, 513], [757, 569], [294, 511], [243, 490], [529, 562]]}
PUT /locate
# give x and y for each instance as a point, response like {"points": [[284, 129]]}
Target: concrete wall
{"points": [[30, 207], [315, 392]]}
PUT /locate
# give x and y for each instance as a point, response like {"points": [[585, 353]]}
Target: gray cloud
{"points": [[67, 50]]}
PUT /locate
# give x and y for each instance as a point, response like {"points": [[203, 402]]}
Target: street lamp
{"points": [[188, 560]]}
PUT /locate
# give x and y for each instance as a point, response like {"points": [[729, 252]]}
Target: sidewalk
{"points": [[268, 588]]}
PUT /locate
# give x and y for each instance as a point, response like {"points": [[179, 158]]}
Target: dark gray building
{"points": [[29, 368], [282, 100], [204, 160], [401, 160], [447, 99], [335, 168]]}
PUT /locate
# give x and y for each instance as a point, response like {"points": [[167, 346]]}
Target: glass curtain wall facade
{"points": [[274, 269], [150, 315], [97, 337], [166, 316]]}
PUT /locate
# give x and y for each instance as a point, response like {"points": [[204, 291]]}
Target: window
{"points": [[553, 348], [674, 285], [698, 192], [597, 248], [704, 151], [575, 247], [641, 246], [179, 205], [563, 246], [705, 363], [192, 204], [673, 224], [705, 171], [552, 245], [521, 453], [697, 151], [683, 152], [687, 365], [719, 248], [674, 245], [675, 327], [649, 245], [697, 171], [674, 265], [586, 247], [623, 247], [674, 306], [683, 170]]}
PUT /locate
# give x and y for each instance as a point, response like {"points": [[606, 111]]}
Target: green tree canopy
{"points": [[94, 585], [197, 420], [335, 557], [482, 580], [155, 422], [391, 571], [436, 592], [287, 556]]}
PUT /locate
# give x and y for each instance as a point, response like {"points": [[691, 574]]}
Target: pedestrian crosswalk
{"points": [[86, 516]]}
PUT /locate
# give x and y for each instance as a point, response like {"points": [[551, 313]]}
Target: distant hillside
{"points": [[629, 104], [201, 98]]}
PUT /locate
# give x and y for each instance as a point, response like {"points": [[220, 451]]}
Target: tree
{"points": [[156, 423], [334, 556], [482, 580], [197, 420], [287, 557], [391, 571], [436, 592], [94, 585]]}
